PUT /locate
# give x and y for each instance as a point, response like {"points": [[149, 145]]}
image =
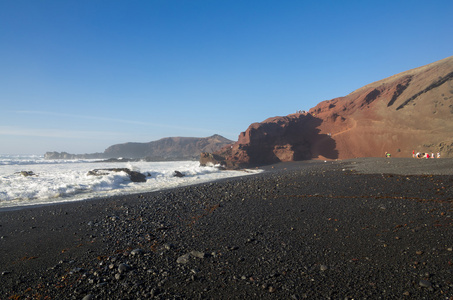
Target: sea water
{"points": [[55, 181]]}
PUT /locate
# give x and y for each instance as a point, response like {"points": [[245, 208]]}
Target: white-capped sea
{"points": [[68, 180]]}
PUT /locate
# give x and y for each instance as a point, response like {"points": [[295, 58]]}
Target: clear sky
{"points": [[81, 75]]}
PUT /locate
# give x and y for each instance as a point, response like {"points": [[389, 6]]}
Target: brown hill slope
{"points": [[409, 111]]}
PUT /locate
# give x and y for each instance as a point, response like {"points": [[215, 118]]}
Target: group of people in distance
{"points": [[425, 155], [418, 155]]}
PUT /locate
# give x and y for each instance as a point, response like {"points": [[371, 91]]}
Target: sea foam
{"points": [[61, 181]]}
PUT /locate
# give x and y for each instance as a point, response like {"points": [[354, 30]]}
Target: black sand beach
{"points": [[355, 229]]}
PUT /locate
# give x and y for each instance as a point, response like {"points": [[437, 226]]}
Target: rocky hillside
{"points": [[409, 111], [171, 148]]}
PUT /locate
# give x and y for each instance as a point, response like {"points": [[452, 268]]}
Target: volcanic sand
{"points": [[338, 229]]}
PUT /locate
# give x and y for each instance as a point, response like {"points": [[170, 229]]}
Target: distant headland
{"points": [[165, 149]]}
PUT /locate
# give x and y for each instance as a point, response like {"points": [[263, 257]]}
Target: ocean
{"points": [[55, 181]]}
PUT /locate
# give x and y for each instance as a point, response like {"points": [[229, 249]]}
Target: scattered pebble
{"points": [[197, 254], [122, 268], [169, 246], [137, 252], [183, 259], [425, 283]]}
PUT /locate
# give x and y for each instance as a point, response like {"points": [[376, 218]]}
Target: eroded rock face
{"points": [[409, 111], [276, 139]]}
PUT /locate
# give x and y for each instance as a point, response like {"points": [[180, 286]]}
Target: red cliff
{"points": [[409, 111]]}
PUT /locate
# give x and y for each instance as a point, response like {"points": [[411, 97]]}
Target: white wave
{"points": [[8, 159], [69, 180]]}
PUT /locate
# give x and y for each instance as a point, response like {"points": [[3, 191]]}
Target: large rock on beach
{"points": [[27, 173], [133, 175], [211, 159], [273, 140]]}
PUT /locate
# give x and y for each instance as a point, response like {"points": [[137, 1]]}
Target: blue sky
{"points": [[79, 76]]}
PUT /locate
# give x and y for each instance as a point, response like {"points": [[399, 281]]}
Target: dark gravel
{"points": [[403, 166], [310, 230]]}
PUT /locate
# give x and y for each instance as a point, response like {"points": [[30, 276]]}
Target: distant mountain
{"points": [[171, 148], [409, 111], [66, 155]]}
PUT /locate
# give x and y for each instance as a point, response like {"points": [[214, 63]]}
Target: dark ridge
{"points": [[371, 96], [399, 90], [433, 85]]}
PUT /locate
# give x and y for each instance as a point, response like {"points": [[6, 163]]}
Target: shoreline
{"points": [[57, 184], [297, 230], [443, 166]]}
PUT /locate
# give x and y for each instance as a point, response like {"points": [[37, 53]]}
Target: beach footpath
{"points": [[354, 229]]}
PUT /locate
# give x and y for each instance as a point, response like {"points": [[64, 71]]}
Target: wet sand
{"points": [[362, 228]]}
